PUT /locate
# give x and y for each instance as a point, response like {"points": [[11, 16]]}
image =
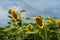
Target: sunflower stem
{"points": [[45, 29], [23, 31]]}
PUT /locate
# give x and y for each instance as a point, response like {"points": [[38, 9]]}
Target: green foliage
{"points": [[28, 18], [10, 16], [16, 30], [23, 11], [9, 11]]}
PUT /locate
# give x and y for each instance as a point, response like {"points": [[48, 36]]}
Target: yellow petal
{"points": [[57, 22], [50, 21], [13, 10]]}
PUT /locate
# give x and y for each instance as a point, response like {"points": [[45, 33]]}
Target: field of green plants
{"points": [[47, 28]]}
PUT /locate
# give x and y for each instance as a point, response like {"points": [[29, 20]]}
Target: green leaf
{"points": [[9, 11], [9, 22], [18, 38], [23, 11], [10, 16], [55, 17], [27, 18], [47, 19], [12, 20]]}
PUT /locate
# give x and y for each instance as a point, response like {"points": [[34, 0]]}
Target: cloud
{"points": [[3, 17], [43, 7], [43, 4], [3, 13]]}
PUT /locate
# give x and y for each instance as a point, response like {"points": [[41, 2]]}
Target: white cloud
{"points": [[3, 13], [3, 17], [43, 4], [55, 11]]}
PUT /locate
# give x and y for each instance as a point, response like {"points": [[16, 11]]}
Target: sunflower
{"points": [[49, 20], [15, 15], [28, 27], [39, 22], [57, 22]]}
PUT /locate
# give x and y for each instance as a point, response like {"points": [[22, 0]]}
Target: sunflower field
{"points": [[43, 29]]}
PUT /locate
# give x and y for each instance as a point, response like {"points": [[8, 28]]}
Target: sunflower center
{"points": [[39, 21], [58, 23], [14, 15]]}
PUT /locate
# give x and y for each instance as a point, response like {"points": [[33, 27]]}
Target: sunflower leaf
{"points": [[10, 16], [9, 11], [9, 22], [27, 18], [23, 11]]}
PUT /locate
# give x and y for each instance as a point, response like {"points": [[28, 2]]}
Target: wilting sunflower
{"points": [[58, 22], [28, 27], [15, 15], [39, 22], [49, 20]]}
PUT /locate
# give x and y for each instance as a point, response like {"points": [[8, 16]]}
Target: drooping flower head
{"points": [[49, 20], [39, 22], [27, 28], [15, 15]]}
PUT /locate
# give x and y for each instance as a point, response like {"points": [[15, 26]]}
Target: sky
{"points": [[33, 8]]}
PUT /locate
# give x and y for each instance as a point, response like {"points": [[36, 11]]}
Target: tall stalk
{"points": [[45, 30], [23, 31]]}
